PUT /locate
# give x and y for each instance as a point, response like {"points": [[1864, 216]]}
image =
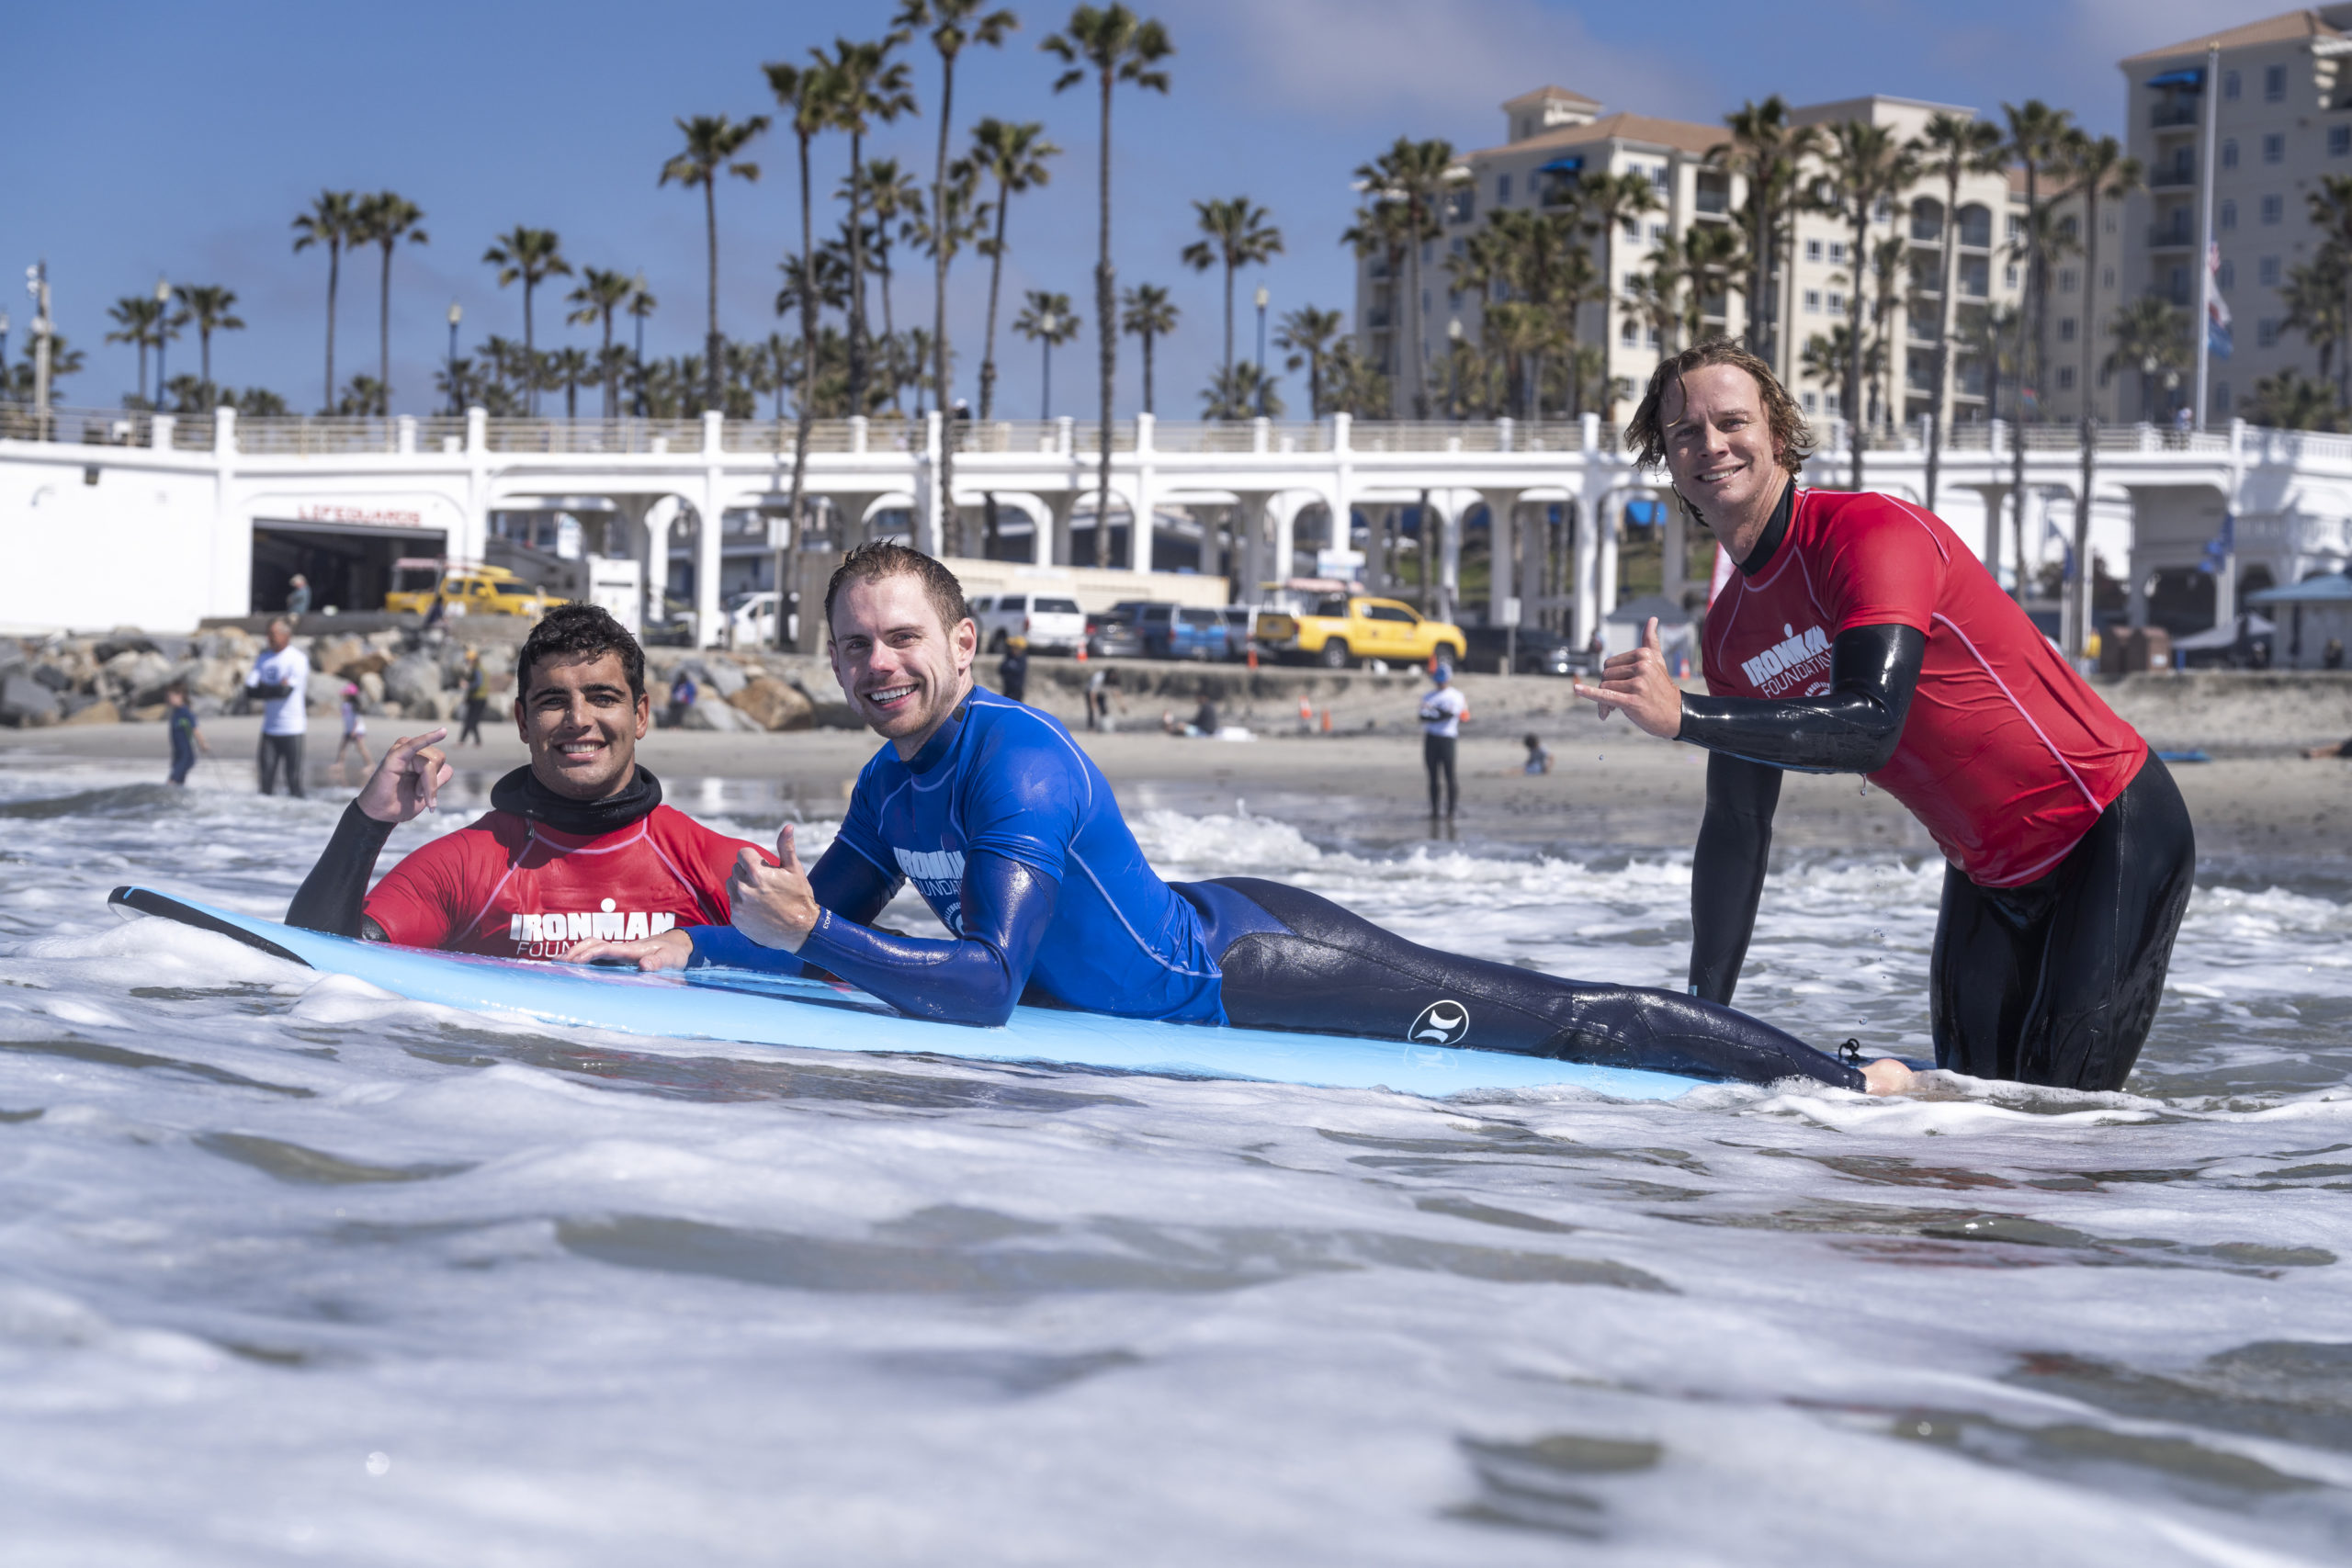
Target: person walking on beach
{"points": [[1443, 713], [281, 678], [1539, 756], [682, 693], [1098, 698], [298, 596], [1013, 670], [1859, 633], [355, 729], [187, 738], [476, 697]]}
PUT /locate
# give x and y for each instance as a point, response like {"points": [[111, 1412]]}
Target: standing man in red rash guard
{"points": [[577, 846], [1860, 635]]}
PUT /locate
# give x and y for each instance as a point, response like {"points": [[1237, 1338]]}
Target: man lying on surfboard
{"points": [[1010, 834], [578, 845]]}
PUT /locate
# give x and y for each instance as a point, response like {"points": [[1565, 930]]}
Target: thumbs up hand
{"points": [[1637, 682]]}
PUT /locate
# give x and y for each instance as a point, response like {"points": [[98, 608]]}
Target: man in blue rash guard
{"points": [[1009, 832]]}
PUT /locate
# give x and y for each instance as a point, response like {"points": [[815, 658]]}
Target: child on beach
{"points": [[186, 737], [355, 729], [1539, 756]]}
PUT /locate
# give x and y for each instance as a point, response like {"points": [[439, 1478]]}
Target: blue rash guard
{"points": [[1012, 835]]}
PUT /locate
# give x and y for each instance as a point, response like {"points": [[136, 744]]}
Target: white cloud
{"points": [[1403, 59]]}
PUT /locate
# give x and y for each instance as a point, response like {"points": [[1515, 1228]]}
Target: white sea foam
{"points": [[294, 1268]]}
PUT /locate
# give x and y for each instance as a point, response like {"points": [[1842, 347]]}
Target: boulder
{"points": [[371, 692], [772, 704], [148, 694], [57, 678], [366, 664], [718, 715], [413, 681], [95, 712], [26, 703], [333, 655], [124, 640], [217, 678], [153, 713], [715, 675]]}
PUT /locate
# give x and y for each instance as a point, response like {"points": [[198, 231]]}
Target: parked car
{"points": [[1240, 629], [750, 618], [1529, 651], [1343, 628], [1113, 635], [1179, 631], [1052, 624], [476, 590]]}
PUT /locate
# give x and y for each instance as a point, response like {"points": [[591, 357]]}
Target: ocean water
{"points": [[293, 1271]]}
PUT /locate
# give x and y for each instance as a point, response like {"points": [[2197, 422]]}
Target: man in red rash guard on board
{"points": [[1860, 635], [577, 846]]}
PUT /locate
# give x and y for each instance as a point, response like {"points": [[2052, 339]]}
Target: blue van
{"points": [[1177, 631]]}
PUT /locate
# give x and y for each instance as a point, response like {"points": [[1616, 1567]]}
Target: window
{"points": [[2230, 153], [2016, 228], [2274, 83], [1633, 228], [2274, 147], [1652, 337], [2339, 141], [2221, 399], [2267, 269], [1631, 333], [2067, 280], [1661, 179], [2229, 215], [1883, 212], [2065, 328], [2274, 208], [2266, 331], [2230, 84], [1502, 190], [1836, 252], [1813, 402], [2065, 377], [1813, 250], [1976, 226], [2009, 275], [1836, 299], [2226, 274], [2107, 279], [1812, 302], [1658, 232]]}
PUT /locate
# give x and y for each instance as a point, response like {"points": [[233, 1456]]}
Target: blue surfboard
{"points": [[770, 1009]]}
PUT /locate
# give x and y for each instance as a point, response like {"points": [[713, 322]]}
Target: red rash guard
{"points": [[508, 887], [2007, 756]]}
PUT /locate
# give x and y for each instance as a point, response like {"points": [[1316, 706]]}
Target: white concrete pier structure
{"points": [[131, 519]]}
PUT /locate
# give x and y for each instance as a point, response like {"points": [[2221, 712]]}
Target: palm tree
{"points": [[332, 217], [1310, 336], [363, 397], [598, 294], [1234, 234], [2152, 339], [209, 309], [1242, 392], [870, 87], [1890, 273], [385, 220], [1382, 229], [2314, 295], [1768, 153], [531, 255], [1864, 165], [896, 201], [2101, 173], [1995, 337], [1653, 298], [1150, 315], [1711, 258], [1407, 185], [2037, 139], [2331, 210], [135, 316], [567, 367], [806, 94], [641, 306], [1953, 146], [1609, 204], [714, 143], [1047, 320], [952, 26], [1116, 45], [2292, 401], [1014, 156]]}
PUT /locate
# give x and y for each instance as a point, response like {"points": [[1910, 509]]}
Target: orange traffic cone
{"points": [[1305, 711], [1326, 721]]}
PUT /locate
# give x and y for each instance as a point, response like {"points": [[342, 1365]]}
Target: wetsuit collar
{"points": [[1774, 532], [943, 739], [521, 793]]}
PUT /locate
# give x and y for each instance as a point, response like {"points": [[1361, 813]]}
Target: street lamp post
{"points": [[1048, 325], [163, 332], [1454, 368], [3, 357], [37, 284], [1263, 377], [456, 314]]}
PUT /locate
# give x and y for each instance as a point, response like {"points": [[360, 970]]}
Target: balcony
{"points": [[1712, 200], [2180, 173], [2174, 236], [2168, 112]]}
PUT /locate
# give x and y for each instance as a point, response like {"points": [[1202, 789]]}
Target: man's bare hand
{"points": [[1636, 682], [773, 905], [1887, 1076], [409, 779], [671, 950]]}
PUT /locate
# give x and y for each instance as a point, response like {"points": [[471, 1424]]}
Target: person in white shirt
{"points": [[1443, 713], [355, 727], [281, 678]]}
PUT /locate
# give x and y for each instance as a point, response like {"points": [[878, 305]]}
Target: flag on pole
{"points": [[2217, 313], [2218, 548]]}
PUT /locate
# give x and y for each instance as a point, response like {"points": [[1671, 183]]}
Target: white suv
{"points": [[1051, 624]]}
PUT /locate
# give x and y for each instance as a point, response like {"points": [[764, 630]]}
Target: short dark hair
{"points": [[888, 557], [580, 631], [1645, 435]]}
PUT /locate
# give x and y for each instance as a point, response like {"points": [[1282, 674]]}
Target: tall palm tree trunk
{"points": [[2081, 593], [797, 504], [334, 281], [530, 353], [1415, 349], [2016, 463], [1228, 328], [713, 350], [1107, 333], [1760, 326], [857, 344], [1939, 406], [939, 303], [889, 328], [1850, 400], [612, 389], [384, 335], [1608, 325], [996, 275], [1147, 371]]}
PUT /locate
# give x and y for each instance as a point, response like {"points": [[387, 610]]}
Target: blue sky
{"points": [[181, 139]]}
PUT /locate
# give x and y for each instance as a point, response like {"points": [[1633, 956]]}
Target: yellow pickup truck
{"points": [[1340, 630], [473, 590]]}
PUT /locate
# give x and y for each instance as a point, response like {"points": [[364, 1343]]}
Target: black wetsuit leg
{"points": [[2057, 981], [1437, 756], [1294, 960], [280, 752]]}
